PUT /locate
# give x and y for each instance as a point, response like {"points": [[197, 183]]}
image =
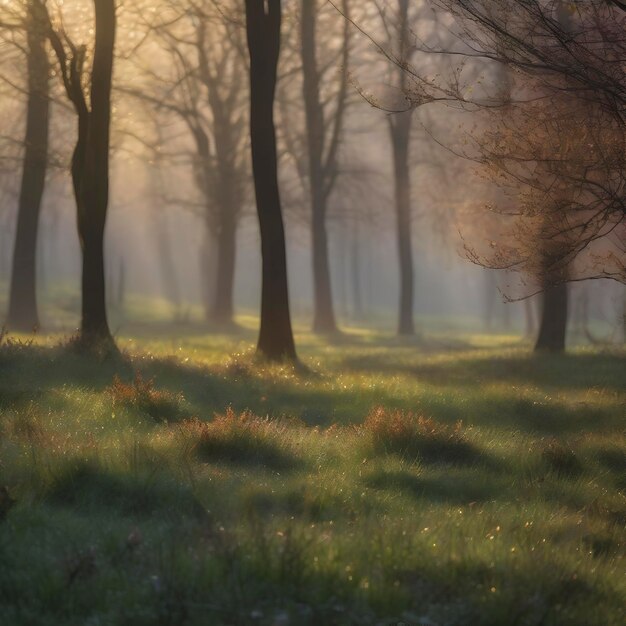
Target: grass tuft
{"points": [[141, 394], [243, 439], [10, 348], [415, 436]]}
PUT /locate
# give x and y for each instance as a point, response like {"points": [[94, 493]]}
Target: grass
{"points": [[456, 480]]}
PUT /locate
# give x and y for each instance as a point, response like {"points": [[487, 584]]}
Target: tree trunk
{"points": [[169, 277], [553, 329], [92, 182], [400, 129], [223, 307], [355, 267], [23, 314], [324, 315], [263, 26]]}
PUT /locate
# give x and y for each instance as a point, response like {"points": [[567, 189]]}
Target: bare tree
{"points": [[23, 314], [398, 30], [263, 24], [90, 160], [565, 121], [324, 131], [204, 45]]}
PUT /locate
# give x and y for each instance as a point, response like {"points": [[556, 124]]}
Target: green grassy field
{"points": [[455, 480]]}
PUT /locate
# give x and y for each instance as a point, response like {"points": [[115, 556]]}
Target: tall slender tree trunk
{"points": [[229, 202], [92, 181], [324, 314], [223, 302], [263, 26], [553, 328], [169, 278], [400, 130], [223, 209], [23, 314], [355, 267]]}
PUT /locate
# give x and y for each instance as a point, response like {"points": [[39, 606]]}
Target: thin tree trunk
{"points": [[400, 136], [553, 329], [223, 305], [355, 266], [324, 315], [23, 314], [341, 263], [93, 182], [263, 25], [167, 266]]}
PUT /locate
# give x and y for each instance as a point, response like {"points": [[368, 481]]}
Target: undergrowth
{"points": [[397, 485]]}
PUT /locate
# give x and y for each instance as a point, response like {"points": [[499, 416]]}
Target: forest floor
{"points": [[454, 480]]}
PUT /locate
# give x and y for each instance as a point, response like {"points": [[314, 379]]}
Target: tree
{"points": [[90, 161], [263, 27], [562, 152], [558, 143], [566, 122], [324, 134], [204, 47], [23, 314], [400, 136], [398, 19]]}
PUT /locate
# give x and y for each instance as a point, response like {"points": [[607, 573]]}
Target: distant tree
{"points": [[568, 59], [90, 160], [324, 133], [263, 25], [560, 151], [23, 314], [399, 18], [561, 137], [205, 51]]}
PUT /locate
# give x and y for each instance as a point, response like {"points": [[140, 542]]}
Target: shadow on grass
{"points": [[247, 451], [186, 330], [440, 451], [208, 390], [306, 504], [36, 370], [456, 489], [604, 371], [86, 486]]}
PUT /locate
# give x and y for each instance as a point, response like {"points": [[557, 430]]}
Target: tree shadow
{"points": [[564, 372], [210, 389], [88, 487], [457, 489]]}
